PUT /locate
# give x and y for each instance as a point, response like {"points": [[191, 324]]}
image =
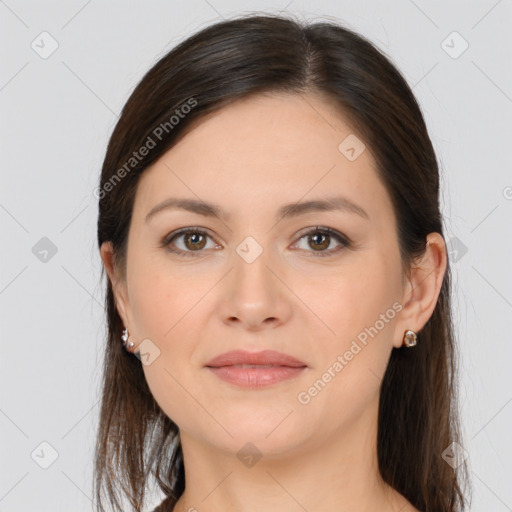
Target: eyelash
{"points": [[345, 241]]}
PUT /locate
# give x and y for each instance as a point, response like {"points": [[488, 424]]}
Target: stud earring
{"points": [[410, 338], [127, 344]]}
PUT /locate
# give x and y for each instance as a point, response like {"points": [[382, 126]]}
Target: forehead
{"points": [[263, 151]]}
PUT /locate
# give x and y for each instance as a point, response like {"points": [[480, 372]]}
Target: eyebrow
{"points": [[287, 210]]}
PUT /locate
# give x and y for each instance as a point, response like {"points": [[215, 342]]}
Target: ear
{"points": [[422, 288], [118, 285]]}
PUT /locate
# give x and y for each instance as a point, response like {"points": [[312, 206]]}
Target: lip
{"points": [[255, 369], [263, 358]]}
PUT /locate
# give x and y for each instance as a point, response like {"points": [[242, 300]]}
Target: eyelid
{"points": [[342, 239], [166, 241]]}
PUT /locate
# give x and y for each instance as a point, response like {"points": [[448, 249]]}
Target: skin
{"points": [[250, 158]]}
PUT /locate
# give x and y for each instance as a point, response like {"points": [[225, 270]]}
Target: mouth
{"points": [[262, 358], [247, 376], [248, 366], [255, 369]]}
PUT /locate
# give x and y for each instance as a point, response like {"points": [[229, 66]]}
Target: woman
{"points": [[278, 292]]}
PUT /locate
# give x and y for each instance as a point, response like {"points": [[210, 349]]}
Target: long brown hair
{"points": [[418, 412]]}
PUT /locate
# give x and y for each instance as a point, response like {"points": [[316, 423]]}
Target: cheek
{"points": [[161, 299], [168, 308], [154, 305], [164, 305], [355, 350], [357, 306], [351, 301]]}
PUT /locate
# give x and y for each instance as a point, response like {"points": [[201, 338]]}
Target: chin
{"points": [[273, 434]]}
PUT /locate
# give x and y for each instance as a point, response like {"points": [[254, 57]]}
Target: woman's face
{"points": [[253, 280]]}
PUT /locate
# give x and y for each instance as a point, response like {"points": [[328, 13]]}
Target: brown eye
{"points": [[194, 240], [186, 242], [319, 239]]}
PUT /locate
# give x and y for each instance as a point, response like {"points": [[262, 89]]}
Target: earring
{"points": [[410, 338], [127, 344]]}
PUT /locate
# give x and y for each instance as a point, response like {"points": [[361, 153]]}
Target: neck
{"points": [[336, 473]]}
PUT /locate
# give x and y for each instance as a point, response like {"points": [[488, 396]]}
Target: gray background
{"points": [[56, 116]]}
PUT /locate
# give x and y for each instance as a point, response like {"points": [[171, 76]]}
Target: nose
{"points": [[255, 296]]}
